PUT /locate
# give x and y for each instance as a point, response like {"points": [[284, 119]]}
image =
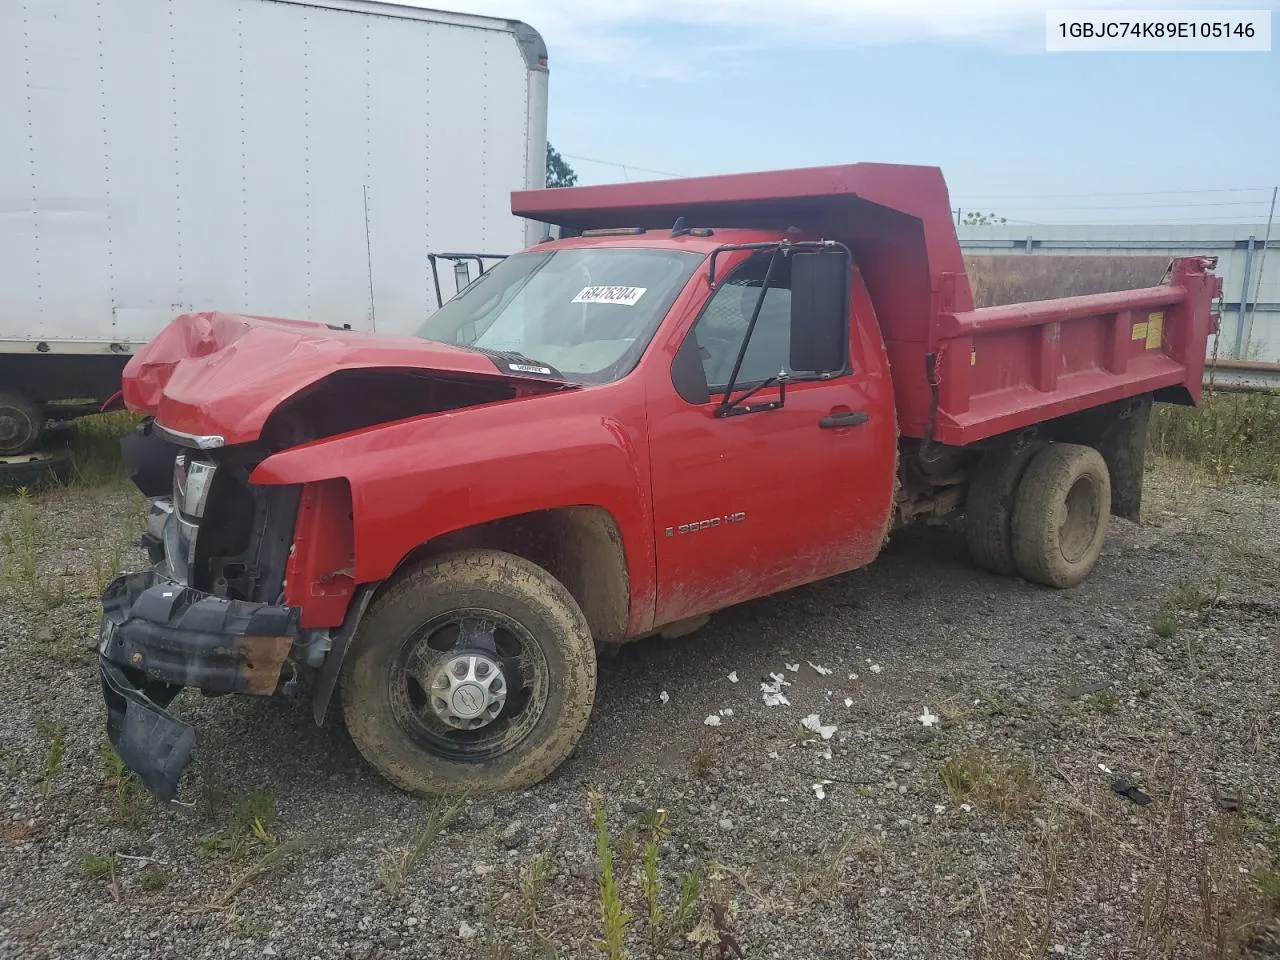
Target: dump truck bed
{"points": [[960, 374]]}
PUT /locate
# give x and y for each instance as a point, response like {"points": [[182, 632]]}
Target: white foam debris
{"points": [[814, 724], [853, 676], [927, 718], [966, 808], [727, 712], [876, 668], [939, 808], [733, 676], [848, 701], [819, 789], [772, 691], [820, 671], [793, 667], [664, 696], [1104, 768], [713, 720]]}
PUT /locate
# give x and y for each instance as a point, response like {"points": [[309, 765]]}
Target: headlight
{"points": [[192, 480]]}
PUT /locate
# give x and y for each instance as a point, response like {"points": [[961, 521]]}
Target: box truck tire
{"points": [[1060, 515], [475, 670], [21, 422]]}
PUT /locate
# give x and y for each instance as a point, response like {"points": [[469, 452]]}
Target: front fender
{"points": [[415, 480]]}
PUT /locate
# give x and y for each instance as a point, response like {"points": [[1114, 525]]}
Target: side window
{"points": [[723, 324]]}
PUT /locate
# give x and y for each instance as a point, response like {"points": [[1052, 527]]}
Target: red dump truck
{"points": [[703, 391]]}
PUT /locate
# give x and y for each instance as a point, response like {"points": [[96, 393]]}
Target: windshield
{"points": [[587, 312]]}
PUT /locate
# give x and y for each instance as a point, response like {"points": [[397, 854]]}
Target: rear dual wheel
{"points": [[1041, 512], [475, 672]]}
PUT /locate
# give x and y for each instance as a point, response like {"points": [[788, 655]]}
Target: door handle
{"points": [[850, 418]]}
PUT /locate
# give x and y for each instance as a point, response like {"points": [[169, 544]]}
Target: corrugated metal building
{"points": [[1250, 272]]}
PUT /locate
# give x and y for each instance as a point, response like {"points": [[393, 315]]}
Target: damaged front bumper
{"points": [[157, 637]]}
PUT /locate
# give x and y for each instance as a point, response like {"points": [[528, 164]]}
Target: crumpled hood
{"points": [[223, 374]]}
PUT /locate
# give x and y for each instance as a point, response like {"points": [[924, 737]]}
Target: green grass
{"points": [[95, 448], [1165, 624], [1229, 434], [153, 879], [95, 866], [247, 822], [613, 918], [439, 816], [1005, 785], [54, 737]]}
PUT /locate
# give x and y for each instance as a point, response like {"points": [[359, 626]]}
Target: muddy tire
{"points": [[21, 422], [1060, 515], [473, 672], [988, 509]]}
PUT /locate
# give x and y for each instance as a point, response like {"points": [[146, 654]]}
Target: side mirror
{"points": [[461, 274], [819, 311]]}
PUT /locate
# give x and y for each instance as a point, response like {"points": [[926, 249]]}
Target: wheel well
{"points": [[579, 546]]}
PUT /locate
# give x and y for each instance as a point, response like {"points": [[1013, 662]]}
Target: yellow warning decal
{"points": [[1139, 331], [1155, 330]]}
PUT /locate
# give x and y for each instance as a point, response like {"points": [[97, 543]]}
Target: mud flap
{"points": [[151, 742]]}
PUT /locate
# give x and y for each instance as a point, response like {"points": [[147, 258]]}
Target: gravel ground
{"points": [[994, 832]]}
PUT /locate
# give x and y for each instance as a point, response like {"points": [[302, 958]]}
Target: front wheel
{"points": [[474, 672]]}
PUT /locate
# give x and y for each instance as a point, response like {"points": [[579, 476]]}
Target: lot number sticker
{"points": [[627, 296]]}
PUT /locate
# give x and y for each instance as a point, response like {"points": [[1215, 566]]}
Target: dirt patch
{"points": [[965, 805]]}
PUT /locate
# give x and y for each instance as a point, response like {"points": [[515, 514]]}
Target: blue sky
{"points": [[717, 86]]}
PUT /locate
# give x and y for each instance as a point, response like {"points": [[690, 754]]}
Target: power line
{"points": [[1143, 206], [1103, 193], [623, 166]]}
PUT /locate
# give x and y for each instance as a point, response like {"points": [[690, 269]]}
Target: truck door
{"points": [[749, 504]]}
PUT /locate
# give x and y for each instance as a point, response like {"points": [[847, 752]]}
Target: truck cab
{"points": [[605, 436]]}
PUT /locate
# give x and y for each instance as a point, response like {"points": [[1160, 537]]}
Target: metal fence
{"points": [[1250, 269]]}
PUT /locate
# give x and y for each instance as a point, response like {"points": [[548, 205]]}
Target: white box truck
{"points": [[296, 158]]}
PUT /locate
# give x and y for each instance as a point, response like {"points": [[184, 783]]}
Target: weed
{"points": [[439, 816], [1228, 434], [1000, 784], [95, 448], [1165, 624], [153, 878], [10, 760], [52, 592], [19, 560], [681, 921], [123, 785], [1104, 701], [54, 737], [1268, 883], [249, 926], [613, 918], [270, 861], [703, 763], [649, 886], [1189, 595], [95, 866], [247, 828], [533, 882], [822, 876]]}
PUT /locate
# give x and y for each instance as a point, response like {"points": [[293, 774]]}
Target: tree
{"points": [[559, 173], [973, 219]]}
